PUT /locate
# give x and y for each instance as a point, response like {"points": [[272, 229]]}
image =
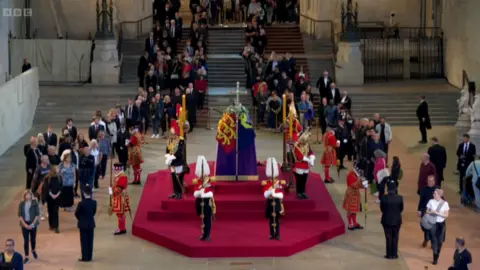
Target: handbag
{"points": [[477, 183], [429, 220]]}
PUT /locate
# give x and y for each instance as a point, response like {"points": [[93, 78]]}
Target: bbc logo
{"points": [[17, 12]]}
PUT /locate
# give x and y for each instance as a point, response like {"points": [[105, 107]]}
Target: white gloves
{"points": [[168, 159], [365, 184], [338, 143], [312, 160], [110, 191], [306, 159], [345, 141]]}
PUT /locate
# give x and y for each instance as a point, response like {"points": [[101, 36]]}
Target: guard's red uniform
{"points": [[302, 151], [352, 200], [199, 185], [296, 132], [329, 157], [120, 201], [135, 157]]}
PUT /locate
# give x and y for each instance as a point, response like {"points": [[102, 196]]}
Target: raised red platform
{"points": [[240, 228]]}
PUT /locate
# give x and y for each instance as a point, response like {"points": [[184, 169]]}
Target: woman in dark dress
{"points": [[53, 198]]}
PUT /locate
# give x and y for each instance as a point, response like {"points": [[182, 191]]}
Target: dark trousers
{"points": [[103, 165], [177, 179], [97, 175], [164, 123], [29, 180], [385, 145], [75, 188], [29, 239], [301, 182], [274, 222], [423, 131], [342, 152], [461, 171], [52, 208], [391, 237], [207, 219], [156, 125], [86, 243], [381, 189], [200, 100], [437, 236], [261, 112]]}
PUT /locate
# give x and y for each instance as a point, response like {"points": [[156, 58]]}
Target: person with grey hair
{"points": [[52, 155], [426, 169]]}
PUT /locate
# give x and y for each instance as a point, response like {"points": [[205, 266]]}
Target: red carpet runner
{"points": [[240, 228]]}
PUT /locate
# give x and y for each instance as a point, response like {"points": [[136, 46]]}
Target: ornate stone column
{"points": [[349, 66], [105, 65], [475, 121]]}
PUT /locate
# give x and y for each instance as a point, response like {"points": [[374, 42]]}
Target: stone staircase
{"points": [[287, 39], [400, 108], [132, 49], [320, 57], [225, 65], [57, 103]]}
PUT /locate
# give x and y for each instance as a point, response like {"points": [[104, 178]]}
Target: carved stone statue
{"points": [[463, 106], [475, 121], [465, 119]]}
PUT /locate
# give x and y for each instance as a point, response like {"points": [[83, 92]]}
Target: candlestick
{"points": [[291, 124], [184, 103], [181, 123], [284, 104]]}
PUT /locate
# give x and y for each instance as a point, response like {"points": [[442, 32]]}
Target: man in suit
{"points": [[150, 45], [33, 155], [85, 214], [173, 36], [50, 137], [130, 114], [323, 84], [178, 24], [72, 130], [423, 119], [94, 129], [334, 94], [391, 206], [143, 64], [466, 152], [438, 156]]}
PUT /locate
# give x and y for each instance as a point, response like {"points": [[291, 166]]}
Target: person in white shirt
{"points": [[440, 209]]}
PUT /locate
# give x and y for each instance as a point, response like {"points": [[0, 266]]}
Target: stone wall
{"points": [[7, 24], [460, 22], [78, 17], [407, 13]]}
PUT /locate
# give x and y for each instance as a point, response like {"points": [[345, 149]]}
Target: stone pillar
{"points": [[475, 121], [349, 67], [105, 65]]}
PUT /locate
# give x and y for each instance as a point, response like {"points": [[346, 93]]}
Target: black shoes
{"points": [[120, 232], [390, 257], [175, 196], [205, 238], [26, 260], [356, 227], [35, 255], [424, 244], [302, 196], [435, 259], [274, 237]]}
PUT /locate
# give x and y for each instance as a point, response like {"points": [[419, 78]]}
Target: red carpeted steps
{"points": [[240, 228]]}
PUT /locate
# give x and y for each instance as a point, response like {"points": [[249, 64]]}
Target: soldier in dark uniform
{"points": [[344, 136], [122, 150], [175, 159], [204, 202], [273, 192]]}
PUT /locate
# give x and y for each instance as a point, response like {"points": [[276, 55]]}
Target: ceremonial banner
{"points": [[229, 141]]}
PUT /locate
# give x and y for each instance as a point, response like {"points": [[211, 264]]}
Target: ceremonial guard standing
{"points": [[304, 159], [329, 157], [135, 157], [120, 201], [292, 133], [273, 191], [204, 202], [175, 159], [353, 200]]}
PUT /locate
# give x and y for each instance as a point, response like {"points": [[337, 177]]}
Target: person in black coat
{"points": [[86, 169], [50, 137], [426, 195], [72, 130], [391, 206], [143, 64], [423, 119], [438, 156], [85, 214], [333, 93], [94, 129], [122, 150], [466, 152], [33, 155], [323, 85]]}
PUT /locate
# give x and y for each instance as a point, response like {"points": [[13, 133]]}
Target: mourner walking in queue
{"points": [[204, 200], [304, 159], [353, 200], [175, 159], [273, 191], [135, 157], [329, 157], [120, 201]]}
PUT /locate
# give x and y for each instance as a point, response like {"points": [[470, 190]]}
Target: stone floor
{"points": [[354, 250]]}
